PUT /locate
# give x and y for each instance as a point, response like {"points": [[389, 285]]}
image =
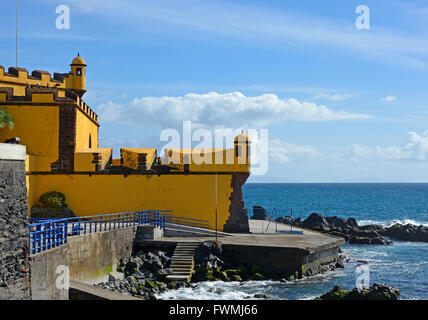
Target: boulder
{"points": [[375, 292], [316, 222], [347, 229], [260, 213], [296, 222], [50, 213], [408, 232]]}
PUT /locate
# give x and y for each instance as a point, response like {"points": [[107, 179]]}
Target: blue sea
{"points": [[403, 265]]}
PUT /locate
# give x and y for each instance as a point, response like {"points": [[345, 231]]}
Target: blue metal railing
{"points": [[50, 233], [47, 234]]}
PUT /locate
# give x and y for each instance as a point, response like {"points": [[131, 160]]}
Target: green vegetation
{"points": [[241, 273], [54, 200], [5, 119], [337, 293]]}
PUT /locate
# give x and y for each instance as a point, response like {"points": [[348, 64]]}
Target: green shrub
{"points": [[54, 200], [5, 119]]}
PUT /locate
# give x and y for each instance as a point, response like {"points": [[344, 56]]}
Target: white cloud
{"points": [[389, 99], [215, 109], [283, 152], [415, 149], [334, 97]]}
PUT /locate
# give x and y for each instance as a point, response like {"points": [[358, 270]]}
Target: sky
{"points": [[340, 103]]}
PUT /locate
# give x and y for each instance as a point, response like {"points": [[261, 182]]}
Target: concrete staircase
{"points": [[182, 261]]}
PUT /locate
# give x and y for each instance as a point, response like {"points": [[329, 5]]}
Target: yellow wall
{"points": [[189, 196], [38, 129], [84, 127]]}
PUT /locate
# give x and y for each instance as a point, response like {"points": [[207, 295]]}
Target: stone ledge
{"points": [[12, 151]]}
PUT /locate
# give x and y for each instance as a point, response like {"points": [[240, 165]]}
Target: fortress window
{"points": [[90, 141], [238, 151], [79, 71]]}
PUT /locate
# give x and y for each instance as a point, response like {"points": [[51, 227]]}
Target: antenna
{"points": [[17, 33]]}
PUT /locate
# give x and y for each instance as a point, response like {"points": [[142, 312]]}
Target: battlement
{"points": [[21, 76]]}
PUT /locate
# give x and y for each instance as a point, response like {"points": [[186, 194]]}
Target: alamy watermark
{"points": [[363, 20], [363, 279], [63, 20], [63, 279]]}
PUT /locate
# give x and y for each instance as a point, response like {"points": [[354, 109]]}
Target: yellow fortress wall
{"points": [[61, 134], [191, 196]]}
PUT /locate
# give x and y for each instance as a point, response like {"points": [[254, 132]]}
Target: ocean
{"points": [[403, 265]]}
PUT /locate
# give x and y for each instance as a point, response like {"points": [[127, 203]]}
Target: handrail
{"points": [[48, 233]]}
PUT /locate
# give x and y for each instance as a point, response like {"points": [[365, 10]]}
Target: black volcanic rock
{"points": [[407, 232], [260, 213], [297, 222], [347, 229], [375, 292]]}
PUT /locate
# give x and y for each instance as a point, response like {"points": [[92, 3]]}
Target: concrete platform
{"points": [[310, 241], [277, 253]]}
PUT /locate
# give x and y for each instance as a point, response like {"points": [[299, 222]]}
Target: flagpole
{"points": [[216, 207], [17, 33]]}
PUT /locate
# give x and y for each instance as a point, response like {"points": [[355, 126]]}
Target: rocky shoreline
{"points": [[355, 234], [144, 274]]}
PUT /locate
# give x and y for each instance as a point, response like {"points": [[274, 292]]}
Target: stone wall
{"points": [[49, 276], [14, 267], [93, 256], [89, 258]]}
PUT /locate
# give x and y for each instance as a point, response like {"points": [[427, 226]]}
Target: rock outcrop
{"points": [[260, 213], [50, 213], [297, 222], [347, 229], [144, 275], [375, 292], [407, 232]]}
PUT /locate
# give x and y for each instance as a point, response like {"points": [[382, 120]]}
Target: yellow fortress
{"points": [[60, 132]]}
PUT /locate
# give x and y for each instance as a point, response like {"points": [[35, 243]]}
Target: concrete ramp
{"points": [[83, 291], [179, 230]]}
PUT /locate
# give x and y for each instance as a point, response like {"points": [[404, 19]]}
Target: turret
{"points": [[242, 148], [78, 70]]}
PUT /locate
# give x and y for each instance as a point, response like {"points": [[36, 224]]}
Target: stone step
{"points": [[187, 265], [178, 278]]}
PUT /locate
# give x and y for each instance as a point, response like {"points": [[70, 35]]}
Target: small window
{"points": [[90, 141], [238, 151], [79, 71]]}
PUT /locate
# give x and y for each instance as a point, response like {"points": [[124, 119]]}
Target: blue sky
{"points": [[340, 104]]}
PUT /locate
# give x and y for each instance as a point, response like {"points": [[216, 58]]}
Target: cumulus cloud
{"points": [[415, 149], [389, 98], [283, 152], [232, 109]]}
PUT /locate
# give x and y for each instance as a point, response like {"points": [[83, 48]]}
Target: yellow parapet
{"points": [[140, 159], [87, 160]]}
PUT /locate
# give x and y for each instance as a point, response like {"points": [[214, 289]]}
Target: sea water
{"points": [[403, 265]]}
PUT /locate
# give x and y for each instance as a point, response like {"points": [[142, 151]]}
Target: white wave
{"points": [[218, 290], [389, 223]]}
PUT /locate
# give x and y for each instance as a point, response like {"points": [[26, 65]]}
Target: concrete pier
{"points": [[277, 253]]}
